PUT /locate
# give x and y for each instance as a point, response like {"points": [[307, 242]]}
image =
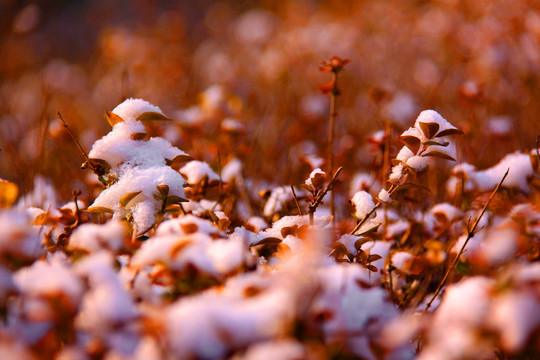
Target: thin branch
{"points": [[65, 125], [313, 206], [296, 201], [470, 235], [368, 215], [333, 98]]}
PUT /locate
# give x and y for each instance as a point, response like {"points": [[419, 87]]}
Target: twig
{"points": [[313, 206], [368, 215], [296, 201], [470, 235], [65, 125], [333, 98]]}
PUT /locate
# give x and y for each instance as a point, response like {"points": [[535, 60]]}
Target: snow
{"points": [[131, 108], [418, 163], [44, 279], [285, 349], [499, 125], [18, 238], [230, 124], [315, 172], [404, 154], [233, 171], [397, 174], [195, 171], [401, 108], [106, 304], [450, 212], [431, 116], [94, 237], [363, 203], [277, 201], [362, 181], [485, 180], [515, 315], [136, 165], [384, 196], [143, 207]]}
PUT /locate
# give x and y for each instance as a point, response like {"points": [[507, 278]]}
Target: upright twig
{"points": [[368, 215], [296, 201], [313, 206], [333, 65], [65, 125], [470, 235]]}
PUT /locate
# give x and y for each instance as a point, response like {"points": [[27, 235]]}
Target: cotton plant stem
{"points": [[368, 215], [333, 96], [313, 206], [470, 235], [296, 201]]}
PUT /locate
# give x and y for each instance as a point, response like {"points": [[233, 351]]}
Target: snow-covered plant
{"points": [[136, 170]]}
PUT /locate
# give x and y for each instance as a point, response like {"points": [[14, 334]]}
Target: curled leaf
{"points": [[373, 257], [412, 142], [449, 132], [358, 243], [138, 136], [429, 129], [126, 198], [163, 190], [152, 115], [269, 240], [99, 210], [173, 199], [178, 161], [112, 118], [439, 154], [368, 227], [436, 143]]}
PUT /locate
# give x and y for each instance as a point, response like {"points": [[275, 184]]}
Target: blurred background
{"points": [[241, 78]]}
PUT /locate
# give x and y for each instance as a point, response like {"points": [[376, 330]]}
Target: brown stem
{"points": [[333, 98], [470, 234], [296, 201], [313, 206], [368, 215], [65, 125]]}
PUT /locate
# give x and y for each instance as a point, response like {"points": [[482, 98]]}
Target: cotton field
{"points": [[270, 180]]}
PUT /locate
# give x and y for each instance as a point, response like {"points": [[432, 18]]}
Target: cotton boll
{"points": [[286, 349], [316, 178], [400, 108], [233, 171], [431, 116], [19, 239], [106, 304], [363, 181], [195, 171], [515, 315], [417, 163], [404, 154], [363, 203], [277, 201], [94, 237], [44, 279], [397, 174], [131, 108]]}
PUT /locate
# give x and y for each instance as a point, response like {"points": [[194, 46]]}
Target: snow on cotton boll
{"points": [[94, 237], [363, 204], [140, 182], [106, 304], [195, 171], [19, 240]]}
